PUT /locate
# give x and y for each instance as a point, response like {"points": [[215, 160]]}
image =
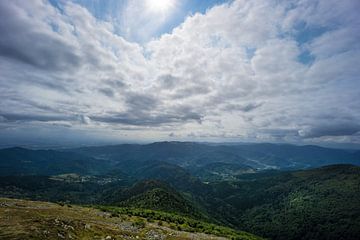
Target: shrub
{"points": [[139, 223]]}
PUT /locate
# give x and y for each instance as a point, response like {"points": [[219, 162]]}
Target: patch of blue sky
{"points": [[306, 57], [54, 27], [103, 10], [250, 52], [305, 33], [57, 4]]}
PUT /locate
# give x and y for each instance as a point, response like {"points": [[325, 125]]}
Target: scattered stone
{"points": [[154, 235], [61, 236], [127, 226], [68, 227], [87, 226], [4, 204]]}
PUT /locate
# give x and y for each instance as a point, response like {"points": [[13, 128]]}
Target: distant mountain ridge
{"points": [[21, 161], [260, 156], [134, 158]]}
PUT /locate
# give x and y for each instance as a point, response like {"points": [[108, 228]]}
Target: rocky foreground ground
{"points": [[22, 219]]}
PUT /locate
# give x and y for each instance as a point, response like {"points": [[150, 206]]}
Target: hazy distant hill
{"points": [[133, 158], [21, 161], [174, 175], [220, 171], [189, 154]]}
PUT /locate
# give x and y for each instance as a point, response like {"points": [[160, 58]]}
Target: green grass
{"points": [[22, 219], [180, 223]]}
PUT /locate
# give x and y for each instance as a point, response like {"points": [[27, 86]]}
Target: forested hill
{"points": [[321, 203]]}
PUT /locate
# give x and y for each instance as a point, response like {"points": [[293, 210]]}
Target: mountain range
{"points": [[130, 158]]}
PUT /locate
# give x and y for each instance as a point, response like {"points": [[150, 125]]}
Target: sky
{"points": [[94, 71]]}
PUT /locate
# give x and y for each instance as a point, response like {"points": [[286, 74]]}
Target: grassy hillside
{"points": [[20, 219]]}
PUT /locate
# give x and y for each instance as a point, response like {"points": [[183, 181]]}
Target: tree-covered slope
{"points": [[155, 195], [322, 203]]}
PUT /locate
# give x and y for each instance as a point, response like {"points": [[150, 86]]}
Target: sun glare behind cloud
{"points": [[159, 5]]}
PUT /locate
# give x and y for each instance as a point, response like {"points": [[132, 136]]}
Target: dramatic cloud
{"points": [[331, 130], [245, 70]]}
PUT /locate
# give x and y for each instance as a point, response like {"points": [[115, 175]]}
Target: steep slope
{"points": [[321, 203], [155, 195], [20, 219]]}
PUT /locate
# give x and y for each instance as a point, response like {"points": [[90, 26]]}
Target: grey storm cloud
{"points": [[168, 81], [144, 110], [116, 84], [141, 101], [191, 91], [34, 117], [330, 130], [140, 119], [248, 107], [107, 91], [22, 41]]}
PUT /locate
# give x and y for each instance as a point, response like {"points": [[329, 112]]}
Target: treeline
{"points": [[178, 222]]}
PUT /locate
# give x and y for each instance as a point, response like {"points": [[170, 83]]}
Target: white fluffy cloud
{"points": [[235, 72]]}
